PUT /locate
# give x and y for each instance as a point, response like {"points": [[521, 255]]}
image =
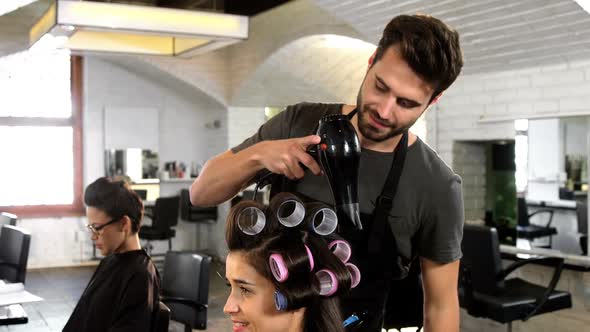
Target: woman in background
{"points": [[123, 293]]}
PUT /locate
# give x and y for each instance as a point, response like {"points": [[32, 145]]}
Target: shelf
{"points": [[175, 180], [147, 181]]}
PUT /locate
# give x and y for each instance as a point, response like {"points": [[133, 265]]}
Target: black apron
{"points": [[391, 295], [390, 292]]}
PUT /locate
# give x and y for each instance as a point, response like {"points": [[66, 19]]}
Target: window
{"points": [[41, 132]]}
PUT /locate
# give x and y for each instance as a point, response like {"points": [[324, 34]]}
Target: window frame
{"points": [[75, 121]]}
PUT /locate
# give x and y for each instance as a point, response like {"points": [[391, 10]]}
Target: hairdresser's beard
{"points": [[369, 130]]}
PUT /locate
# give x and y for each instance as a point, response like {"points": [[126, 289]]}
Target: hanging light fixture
{"points": [[120, 28]]}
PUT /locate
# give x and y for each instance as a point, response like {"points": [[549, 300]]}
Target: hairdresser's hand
{"points": [[287, 156]]}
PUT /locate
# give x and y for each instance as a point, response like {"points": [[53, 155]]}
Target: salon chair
{"points": [[164, 216], [190, 213], [14, 253], [7, 219], [484, 290], [185, 288], [582, 217], [526, 230], [161, 318]]}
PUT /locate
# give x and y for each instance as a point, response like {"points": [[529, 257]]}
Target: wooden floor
{"points": [[61, 287]]}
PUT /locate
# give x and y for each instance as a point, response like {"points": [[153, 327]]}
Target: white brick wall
{"points": [[470, 163]]}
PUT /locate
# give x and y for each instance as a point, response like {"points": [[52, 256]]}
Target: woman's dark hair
{"points": [[429, 46], [116, 199], [301, 288]]}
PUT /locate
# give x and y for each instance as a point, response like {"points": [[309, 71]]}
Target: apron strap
{"points": [[384, 202]]}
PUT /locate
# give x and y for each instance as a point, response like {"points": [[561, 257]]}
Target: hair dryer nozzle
{"points": [[351, 212]]}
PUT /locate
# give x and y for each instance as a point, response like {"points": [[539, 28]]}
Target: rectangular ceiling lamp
{"points": [[117, 28]]}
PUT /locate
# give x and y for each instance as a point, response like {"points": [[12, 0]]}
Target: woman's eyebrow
{"points": [[243, 282]]}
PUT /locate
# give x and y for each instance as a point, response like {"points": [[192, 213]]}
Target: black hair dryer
{"points": [[339, 154]]}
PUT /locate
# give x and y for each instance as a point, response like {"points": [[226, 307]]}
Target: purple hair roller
{"points": [[355, 274], [281, 301], [340, 249], [328, 282], [251, 220], [290, 213], [324, 221]]}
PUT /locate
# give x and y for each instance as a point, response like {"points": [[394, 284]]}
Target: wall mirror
{"points": [[555, 179], [534, 188], [137, 164]]}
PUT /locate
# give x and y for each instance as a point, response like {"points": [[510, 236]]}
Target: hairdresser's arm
{"points": [[226, 174], [441, 302]]}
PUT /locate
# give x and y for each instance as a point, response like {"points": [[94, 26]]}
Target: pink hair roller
{"points": [[278, 268], [310, 256], [355, 274]]}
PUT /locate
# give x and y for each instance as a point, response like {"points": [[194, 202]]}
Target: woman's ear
{"points": [[126, 225]]}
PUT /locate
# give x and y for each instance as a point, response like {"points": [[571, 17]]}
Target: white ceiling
{"points": [[495, 34]]}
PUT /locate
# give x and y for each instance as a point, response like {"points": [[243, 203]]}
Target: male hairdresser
{"points": [[416, 60]]}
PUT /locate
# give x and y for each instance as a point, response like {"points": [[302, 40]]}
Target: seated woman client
{"points": [[285, 269], [122, 295]]}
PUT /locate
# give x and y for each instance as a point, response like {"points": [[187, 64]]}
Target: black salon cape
{"points": [[119, 297]]}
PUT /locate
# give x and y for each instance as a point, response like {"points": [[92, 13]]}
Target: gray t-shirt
{"points": [[427, 215]]}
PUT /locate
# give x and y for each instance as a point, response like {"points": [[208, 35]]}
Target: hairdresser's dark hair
{"points": [[116, 199], [301, 289], [429, 46]]}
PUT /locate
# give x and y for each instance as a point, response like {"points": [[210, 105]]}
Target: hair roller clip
{"points": [[310, 256], [281, 301], [278, 268], [355, 274], [323, 220], [290, 211], [327, 281], [340, 249], [251, 220]]}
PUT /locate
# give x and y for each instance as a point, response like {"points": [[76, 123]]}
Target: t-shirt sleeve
{"points": [[441, 235], [136, 307], [275, 128]]}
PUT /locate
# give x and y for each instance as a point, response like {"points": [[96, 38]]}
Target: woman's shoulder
{"points": [[137, 262]]}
